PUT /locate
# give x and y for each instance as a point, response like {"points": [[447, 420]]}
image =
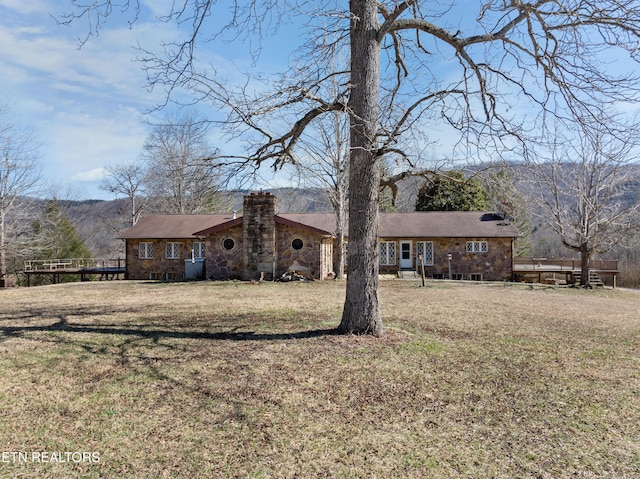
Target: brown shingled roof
{"points": [[431, 224], [322, 222], [446, 224], [219, 226], [173, 226]]}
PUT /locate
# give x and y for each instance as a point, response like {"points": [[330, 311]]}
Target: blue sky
{"points": [[84, 105], [87, 106]]}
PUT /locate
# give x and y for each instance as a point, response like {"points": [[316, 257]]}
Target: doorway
{"points": [[406, 256]]}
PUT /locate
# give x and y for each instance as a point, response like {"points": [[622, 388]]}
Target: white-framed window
{"points": [[477, 246], [424, 248], [145, 250], [172, 250], [475, 276], [198, 249], [387, 253], [457, 276]]}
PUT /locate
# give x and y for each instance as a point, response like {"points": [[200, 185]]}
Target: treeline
{"points": [[90, 228]]}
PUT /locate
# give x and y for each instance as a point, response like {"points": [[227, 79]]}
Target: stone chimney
{"points": [[259, 255]]}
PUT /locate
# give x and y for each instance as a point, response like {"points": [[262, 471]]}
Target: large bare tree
{"points": [[585, 189], [491, 70], [181, 174], [128, 180], [324, 164], [19, 178]]}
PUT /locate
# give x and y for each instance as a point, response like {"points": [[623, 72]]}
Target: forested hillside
{"points": [[99, 224]]}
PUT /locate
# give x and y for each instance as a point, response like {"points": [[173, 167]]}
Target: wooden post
{"points": [[421, 269]]}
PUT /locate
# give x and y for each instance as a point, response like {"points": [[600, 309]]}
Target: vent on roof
{"points": [[506, 221]]}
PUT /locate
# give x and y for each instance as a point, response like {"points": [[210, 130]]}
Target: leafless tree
{"points": [[127, 179], [324, 165], [182, 176], [585, 190], [19, 178], [485, 70]]}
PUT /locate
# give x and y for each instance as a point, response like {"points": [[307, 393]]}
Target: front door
{"points": [[405, 255]]}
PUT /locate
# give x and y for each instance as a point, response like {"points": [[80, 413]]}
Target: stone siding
{"points": [[307, 260], [262, 245], [259, 236], [494, 265], [157, 267], [222, 263]]}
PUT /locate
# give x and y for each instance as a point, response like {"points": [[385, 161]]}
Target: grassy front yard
{"points": [[187, 380]]}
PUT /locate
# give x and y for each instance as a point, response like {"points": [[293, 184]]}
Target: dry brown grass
{"points": [[240, 380]]}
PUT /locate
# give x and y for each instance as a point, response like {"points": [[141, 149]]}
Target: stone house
{"points": [[265, 243]]}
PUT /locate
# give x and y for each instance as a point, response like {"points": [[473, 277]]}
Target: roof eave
{"points": [[219, 227], [295, 224]]}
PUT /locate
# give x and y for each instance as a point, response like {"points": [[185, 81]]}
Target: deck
{"points": [[555, 270], [106, 269]]}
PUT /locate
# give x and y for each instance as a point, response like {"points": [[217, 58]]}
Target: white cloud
{"points": [[25, 7], [92, 175], [159, 8], [104, 68], [79, 145], [85, 105]]}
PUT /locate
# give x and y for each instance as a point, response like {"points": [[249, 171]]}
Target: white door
{"points": [[405, 255]]}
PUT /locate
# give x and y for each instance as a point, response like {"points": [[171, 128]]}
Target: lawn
{"points": [[228, 379]]}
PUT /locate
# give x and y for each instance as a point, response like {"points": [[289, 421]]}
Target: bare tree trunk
{"points": [[361, 314], [341, 214], [585, 266], [3, 246], [134, 216]]}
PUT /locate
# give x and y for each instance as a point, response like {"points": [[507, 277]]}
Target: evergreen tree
{"points": [[451, 192], [56, 237]]}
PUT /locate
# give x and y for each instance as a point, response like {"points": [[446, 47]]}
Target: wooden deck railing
{"points": [[567, 264], [79, 264]]}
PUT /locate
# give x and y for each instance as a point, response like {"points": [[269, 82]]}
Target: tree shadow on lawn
{"points": [[13, 331], [153, 352], [154, 330]]}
